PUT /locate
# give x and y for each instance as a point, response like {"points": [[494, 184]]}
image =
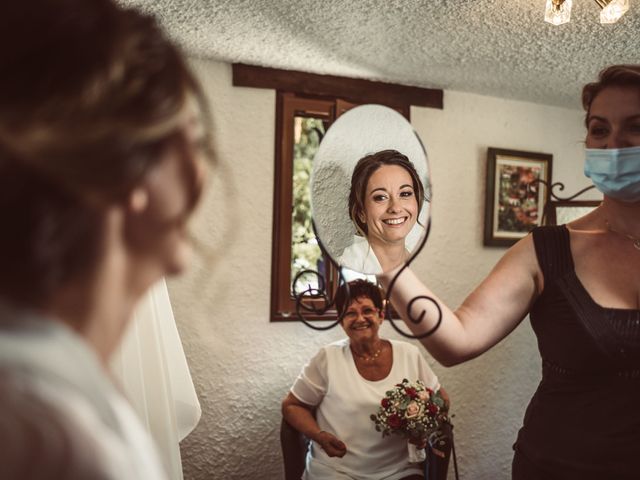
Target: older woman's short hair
{"points": [[612, 76], [365, 167], [357, 288]]}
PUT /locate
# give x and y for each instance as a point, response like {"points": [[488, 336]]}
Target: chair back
{"points": [[294, 451], [437, 467]]}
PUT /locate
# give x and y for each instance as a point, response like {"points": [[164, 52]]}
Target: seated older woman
{"points": [[342, 385]]}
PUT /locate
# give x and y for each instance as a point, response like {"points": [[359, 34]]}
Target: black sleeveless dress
{"points": [[583, 422]]}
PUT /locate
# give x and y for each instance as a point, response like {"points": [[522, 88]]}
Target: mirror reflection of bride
{"points": [[370, 191]]}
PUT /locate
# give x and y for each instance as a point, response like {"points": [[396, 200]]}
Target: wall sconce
{"points": [[612, 10], [558, 12]]}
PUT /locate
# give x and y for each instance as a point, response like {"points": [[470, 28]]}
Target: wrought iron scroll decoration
{"points": [[327, 301], [410, 317], [560, 187], [551, 195], [316, 293]]}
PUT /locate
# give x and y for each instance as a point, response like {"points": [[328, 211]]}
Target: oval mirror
{"points": [[370, 190]]}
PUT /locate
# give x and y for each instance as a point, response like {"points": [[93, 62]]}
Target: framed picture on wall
{"points": [[514, 200], [561, 212]]}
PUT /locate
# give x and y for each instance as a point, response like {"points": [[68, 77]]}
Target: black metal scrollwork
{"points": [[552, 198], [318, 300], [560, 187], [312, 297], [410, 315]]}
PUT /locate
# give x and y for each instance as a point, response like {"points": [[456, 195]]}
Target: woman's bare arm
{"points": [[486, 316], [300, 416]]}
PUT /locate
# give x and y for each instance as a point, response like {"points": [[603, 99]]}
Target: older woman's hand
{"points": [[332, 445], [419, 442]]}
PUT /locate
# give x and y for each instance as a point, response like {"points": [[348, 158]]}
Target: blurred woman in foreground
{"points": [[101, 164]]}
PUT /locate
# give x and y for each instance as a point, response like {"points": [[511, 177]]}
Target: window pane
{"points": [[305, 252]]}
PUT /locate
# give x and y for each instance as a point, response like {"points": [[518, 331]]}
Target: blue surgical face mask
{"points": [[615, 172]]}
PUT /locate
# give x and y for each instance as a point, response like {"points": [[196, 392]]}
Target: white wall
{"points": [[243, 364]]}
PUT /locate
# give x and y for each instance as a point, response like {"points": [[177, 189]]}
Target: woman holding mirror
{"points": [[385, 200], [580, 284], [101, 156]]}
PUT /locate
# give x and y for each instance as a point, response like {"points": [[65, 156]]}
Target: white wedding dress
{"points": [[151, 367]]}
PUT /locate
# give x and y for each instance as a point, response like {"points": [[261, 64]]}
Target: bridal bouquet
{"points": [[411, 410]]}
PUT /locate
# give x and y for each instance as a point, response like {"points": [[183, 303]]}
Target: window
{"points": [[306, 106], [305, 251]]}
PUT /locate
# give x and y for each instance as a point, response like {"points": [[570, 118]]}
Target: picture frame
{"points": [[515, 194], [565, 211]]}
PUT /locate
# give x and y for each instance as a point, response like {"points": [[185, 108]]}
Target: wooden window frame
{"points": [[288, 106], [319, 96]]}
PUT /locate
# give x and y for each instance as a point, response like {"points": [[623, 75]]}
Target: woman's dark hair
{"points": [[365, 167], [612, 76], [92, 95], [357, 288]]}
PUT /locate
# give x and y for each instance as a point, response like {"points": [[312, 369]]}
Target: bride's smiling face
{"points": [[390, 204]]}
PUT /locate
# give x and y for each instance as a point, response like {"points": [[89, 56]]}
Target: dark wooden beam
{"points": [[352, 89]]}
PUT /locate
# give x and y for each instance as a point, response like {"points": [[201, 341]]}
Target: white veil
{"points": [[152, 369]]}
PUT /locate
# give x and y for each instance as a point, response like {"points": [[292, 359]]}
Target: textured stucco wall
{"points": [[242, 364]]}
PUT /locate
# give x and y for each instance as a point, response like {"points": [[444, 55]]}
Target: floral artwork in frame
{"points": [[515, 194]]}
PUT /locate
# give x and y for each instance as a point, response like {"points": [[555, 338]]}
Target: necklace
{"points": [[635, 240], [369, 358]]}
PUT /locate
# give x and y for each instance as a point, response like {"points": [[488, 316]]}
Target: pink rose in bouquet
{"points": [[424, 395], [413, 409]]}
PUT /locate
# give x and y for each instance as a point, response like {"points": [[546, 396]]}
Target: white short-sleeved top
{"points": [[359, 257], [345, 401]]}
